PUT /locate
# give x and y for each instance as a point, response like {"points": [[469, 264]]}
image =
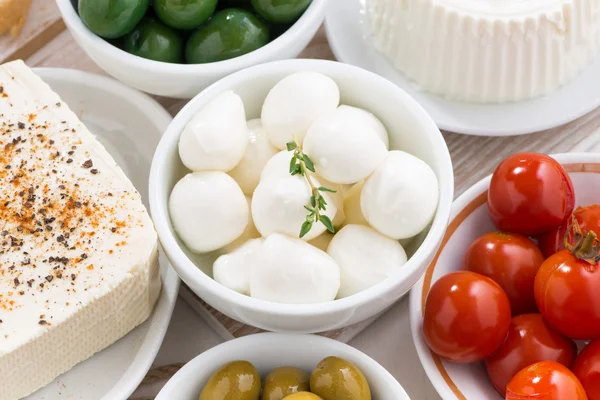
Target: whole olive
{"points": [[302, 396], [111, 19], [155, 41], [337, 379], [230, 33], [284, 381], [184, 14], [238, 380], [281, 11]]}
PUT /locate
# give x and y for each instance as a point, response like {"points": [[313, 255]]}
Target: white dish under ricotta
{"points": [[487, 51], [78, 251]]}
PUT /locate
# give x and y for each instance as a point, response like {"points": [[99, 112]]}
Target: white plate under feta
{"points": [[129, 125], [350, 38]]}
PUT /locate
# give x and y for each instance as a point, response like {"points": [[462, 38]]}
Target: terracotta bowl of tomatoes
{"points": [[510, 306]]}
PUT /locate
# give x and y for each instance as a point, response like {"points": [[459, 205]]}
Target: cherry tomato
{"points": [[512, 261], [567, 292], [530, 339], [530, 193], [467, 316], [546, 380], [553, 241], [587, 369]]}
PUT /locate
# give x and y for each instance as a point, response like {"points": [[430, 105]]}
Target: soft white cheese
{"points": [[234, 270], [78, 251], [291, 271], [249, 233], [345, 145], [400, 198], [208, 210], [365, 257], [488, 50], [217, 136], [279, 166], [294, 103], [259, 151]]}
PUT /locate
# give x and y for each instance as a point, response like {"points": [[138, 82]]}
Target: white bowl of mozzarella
{"points": [[231, 188]]}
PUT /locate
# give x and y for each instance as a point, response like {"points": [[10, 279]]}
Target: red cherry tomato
{"points": [[530, 339], [546, 380], [530, 193], [512, 261], [567, 292], [467, 316], [587, 369], [553, 241]]}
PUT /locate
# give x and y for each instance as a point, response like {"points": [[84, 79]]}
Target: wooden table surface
{"points": [[44, 42]]}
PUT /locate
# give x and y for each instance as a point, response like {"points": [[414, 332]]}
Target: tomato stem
{"points": [[586, 246]]}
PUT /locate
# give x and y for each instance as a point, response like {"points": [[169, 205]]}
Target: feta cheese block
{"points": [[78, 251], [487, 51]]}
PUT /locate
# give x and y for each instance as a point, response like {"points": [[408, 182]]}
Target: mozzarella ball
{"points": [[278, 206], [294, 272], [259, 151], [344, 146], [401, 197], [234, 270], [369, 119], [279, 166], [354, 214], [208, 210], [249, 233], [322, 241], [217, 137], [294, 103], [365, 257]]}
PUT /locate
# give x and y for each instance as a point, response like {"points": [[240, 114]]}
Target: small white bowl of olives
{"points": [[251, 367], [178, 48]]}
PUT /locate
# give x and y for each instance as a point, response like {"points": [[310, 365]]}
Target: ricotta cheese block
{"points": [[487, 51], [78, 251]]}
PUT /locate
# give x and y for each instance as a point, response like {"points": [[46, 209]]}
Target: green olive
{"points": [[284, 381], [302, 396], [337, 379], [281, 11], [235, 3], [111, 19], [184, 14], [229, 33], [238, 380], [153, 40]]}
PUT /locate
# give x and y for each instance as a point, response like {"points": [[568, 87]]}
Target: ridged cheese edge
{"points": [[95, 327], [485, 59]]}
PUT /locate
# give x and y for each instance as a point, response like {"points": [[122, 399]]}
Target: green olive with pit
{"points": [[284, 381], [111, 19], [184, 14], [230, 33], [153, 40], [237, 380], [281, 11], [302, 396], [337, 379]]}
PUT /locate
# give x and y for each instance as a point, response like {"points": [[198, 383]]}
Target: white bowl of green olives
{"points": [[252, 367], [176, 48]]}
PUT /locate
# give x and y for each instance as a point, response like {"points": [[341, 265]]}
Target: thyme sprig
{"points": [[301, 164]]}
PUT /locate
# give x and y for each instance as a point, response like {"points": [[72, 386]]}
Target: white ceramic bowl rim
{"points": [[189, 271], [316, 8], [265, 339], [156, 113], [442, 383]]}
